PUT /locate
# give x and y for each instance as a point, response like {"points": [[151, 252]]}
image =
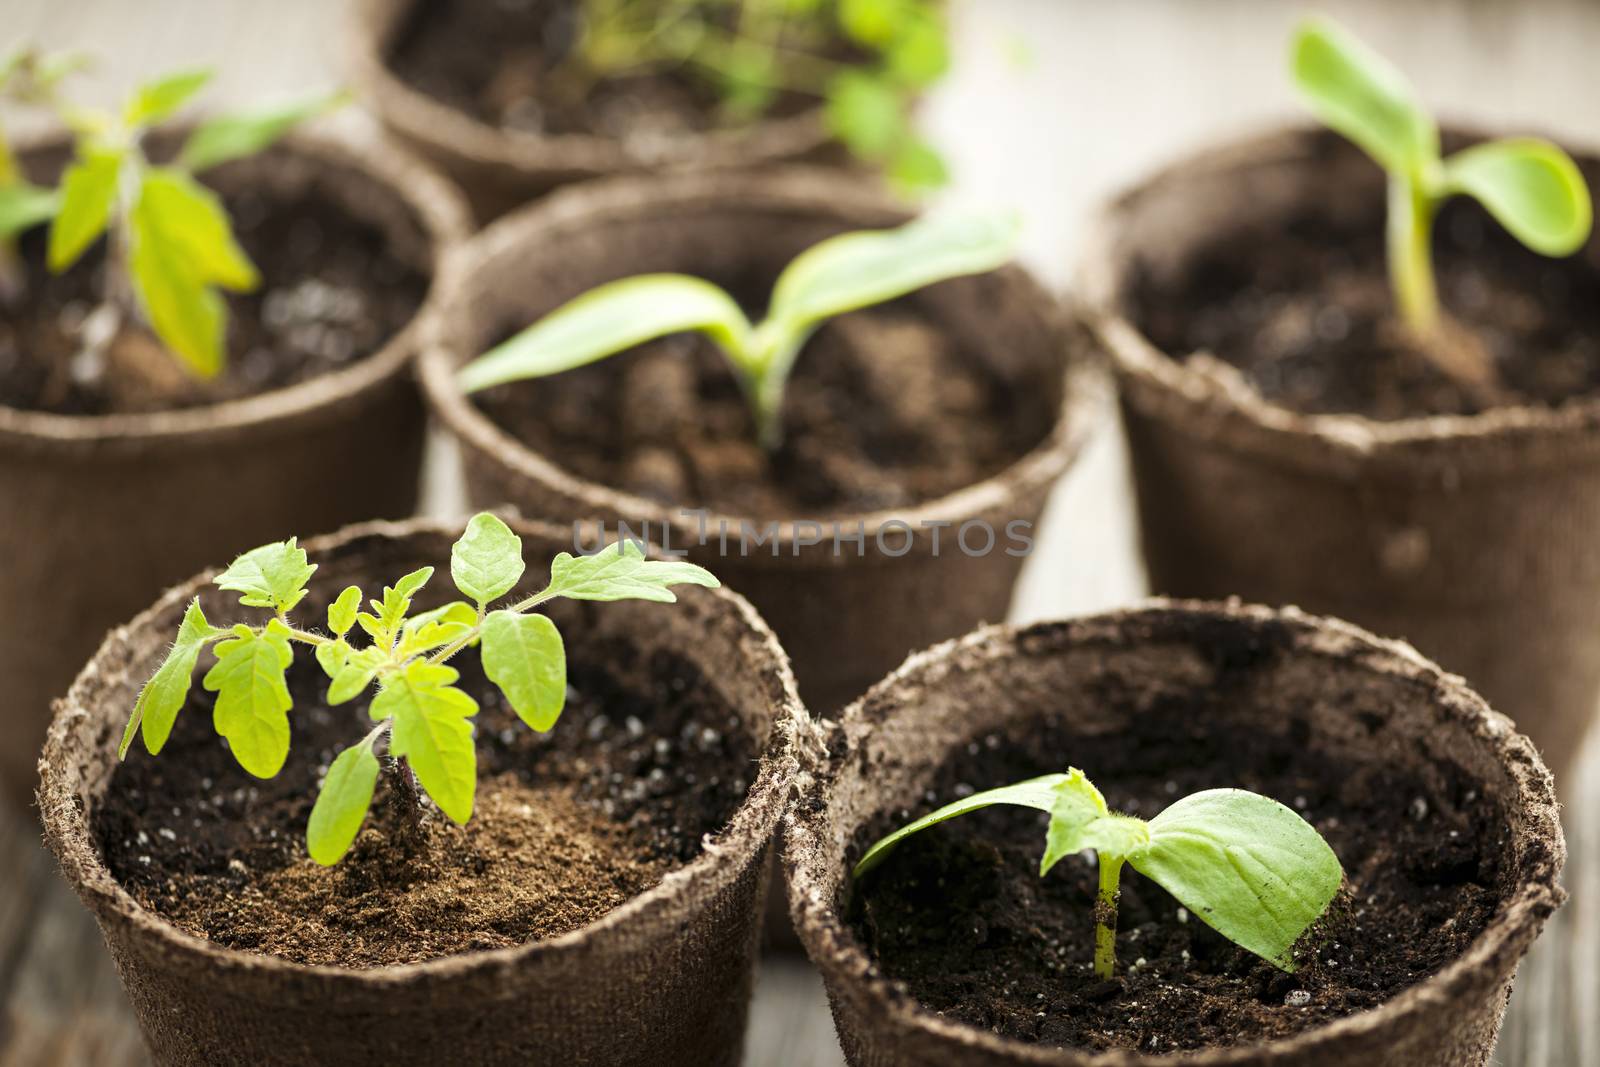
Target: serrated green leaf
{"points": [[389, 614], [193, 219], [234, 136], [1531, 187], [342, 612], [24, 206], [1245, 865], [272, 576], [437, 628], [411, 584], [88, 191], [1080, 820], [158, 99], [609, 319], [342, 804], [866, 113], [164, 694], [432, 732], [1037, 793], [252, 708], [622, 572], [524, 656], [1361, 95], [359, 671], [486, 563]]}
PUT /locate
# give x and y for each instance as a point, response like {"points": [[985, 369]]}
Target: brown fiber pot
{"points": [[98, 514], [845, 619], [663, 979], [1355, 696], [1472, 537], [500, 169]]}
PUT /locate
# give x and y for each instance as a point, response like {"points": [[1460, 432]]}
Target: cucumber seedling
{"points": [[419, 710], [1529, 185], [1249, 867], [171, 248], [840, 274], [751, 52]]}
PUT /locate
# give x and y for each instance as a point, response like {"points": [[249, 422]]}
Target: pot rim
{"points": [[1514, 925], [444, 219], [796, 189], [373, 23], [1240, 417], [753, 822]]}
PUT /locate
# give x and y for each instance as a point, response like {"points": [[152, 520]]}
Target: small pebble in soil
{"points": [[1296, 998], [1418, 809]]}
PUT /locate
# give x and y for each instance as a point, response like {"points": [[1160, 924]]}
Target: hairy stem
{"points": [[1410, 240], [404, 799], [1105, 916]]}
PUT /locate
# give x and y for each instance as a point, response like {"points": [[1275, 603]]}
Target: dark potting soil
{"points": [[1305, 313], [522, 83], [331, 294], [882, 411], [567, 825], [960, 915]]}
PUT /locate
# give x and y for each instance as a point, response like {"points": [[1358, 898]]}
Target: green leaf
{"points": [[342, 612], [1247, 866], [229, 137], [1038, 793], [486, 563], [24, 206], [332, 656], [920, 55], [874, 23], [866, 113], [1532, 187], [857, 270], [1359, 94], [621, 572], [342, 805], [88, 190], [610, 319], [917, 167], [155, 100], [252, 708], [524, 656], [437, 628], [411, 584], [272, 576], [164, 694], [1080, 820], [385, 625], [192, 217], [360, 669], [188, 316], [432, 732]]}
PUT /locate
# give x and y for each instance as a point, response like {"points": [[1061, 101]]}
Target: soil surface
{"points": [[1306, 315], [524, 84], [882, 411], [331, 294], [567, 825], [960, 915]]}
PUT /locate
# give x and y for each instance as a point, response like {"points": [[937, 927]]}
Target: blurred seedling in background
{"points": [[1249, 867], [751, 52], [171, 248], [28, 78], [843, 273], [422, 715], [1530, 186]]}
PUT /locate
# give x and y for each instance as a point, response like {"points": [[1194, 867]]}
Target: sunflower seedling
{"points": [[171, 247], [419, 710], [1249, 867], [1530, 186], [840, 274]]}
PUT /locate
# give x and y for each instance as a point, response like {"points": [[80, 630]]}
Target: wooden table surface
{"points": [[1052, 105]]}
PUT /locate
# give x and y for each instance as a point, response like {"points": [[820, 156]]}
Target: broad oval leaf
{"points": [[1531, 187], [432, 732], [857, 270], [252, 708], [610, 319], [1362, 96], [486, 563], [164, 694], [234, 136], [1247, 866], [1037, 793], [331, 657], [272, 576], [342, 805], [621, 572], [189, 317], [342, 612], [524, 656], [1080, 820], [192, 218], [156, 100], [88, 191], [24, 206]]}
